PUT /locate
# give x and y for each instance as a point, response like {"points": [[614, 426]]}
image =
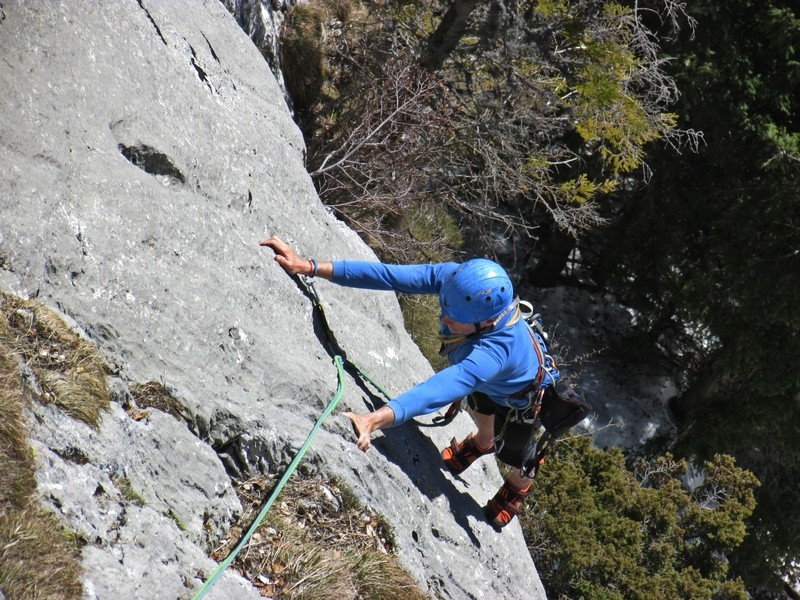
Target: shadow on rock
{"points": [[417, 456]]}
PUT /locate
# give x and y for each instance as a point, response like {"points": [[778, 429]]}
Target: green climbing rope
{"points": [[287, 474], [339, 362]]}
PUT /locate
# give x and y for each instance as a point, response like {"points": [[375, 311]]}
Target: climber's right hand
{"points": [[287, 258], [364, 425]]}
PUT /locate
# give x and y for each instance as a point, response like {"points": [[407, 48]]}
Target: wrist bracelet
{"points": [[314, 267]]}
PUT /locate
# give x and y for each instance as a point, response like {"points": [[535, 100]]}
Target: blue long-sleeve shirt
{"points": [[498, 363]]}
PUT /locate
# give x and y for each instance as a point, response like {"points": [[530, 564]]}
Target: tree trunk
{"points": [[547, 272], [445, 39], [706, 383]]}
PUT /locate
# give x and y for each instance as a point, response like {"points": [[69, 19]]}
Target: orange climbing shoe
{"points": [[506, 504], [459, 455]]}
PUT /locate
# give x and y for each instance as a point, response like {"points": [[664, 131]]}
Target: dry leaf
{"points": [[137, 414], [278, 567]]}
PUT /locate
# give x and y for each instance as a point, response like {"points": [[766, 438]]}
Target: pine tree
{"points": [[597, 529], [714, 260]]}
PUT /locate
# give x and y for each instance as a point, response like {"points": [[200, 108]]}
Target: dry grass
{"points": [[155, 394], [68, 368], [37, 558], [16, 475], [317, 543]]}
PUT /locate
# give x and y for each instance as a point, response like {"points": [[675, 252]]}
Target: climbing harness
{"points": [[341, 361], [539, 405], [546, 376]]}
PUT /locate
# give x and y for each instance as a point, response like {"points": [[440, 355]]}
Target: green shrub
{"points": [[599, 530]]}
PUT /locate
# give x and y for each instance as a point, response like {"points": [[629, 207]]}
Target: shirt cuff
{"points": [[400, 415]]}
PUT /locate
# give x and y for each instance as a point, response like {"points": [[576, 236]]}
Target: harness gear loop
{"points": [[453, 409], [527, 414]]}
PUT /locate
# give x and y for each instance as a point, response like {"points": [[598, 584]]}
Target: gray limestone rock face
{"points": [[145, 150]]}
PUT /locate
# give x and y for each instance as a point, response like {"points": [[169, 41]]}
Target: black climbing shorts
{"points": [[516, 435]]}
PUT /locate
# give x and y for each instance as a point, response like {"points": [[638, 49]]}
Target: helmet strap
{"points": [[479, 330], [509, 309]]}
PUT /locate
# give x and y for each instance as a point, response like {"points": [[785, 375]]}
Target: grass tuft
{"points": [[38, 558], [155, 394], [17, 482], [128, 493], [69, 369], [317, 543]]}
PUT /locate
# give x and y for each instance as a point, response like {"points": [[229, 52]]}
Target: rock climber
{"points": [[493, 361]]}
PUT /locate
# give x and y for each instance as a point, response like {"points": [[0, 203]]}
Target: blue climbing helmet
{"points": [[476, 291]]}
